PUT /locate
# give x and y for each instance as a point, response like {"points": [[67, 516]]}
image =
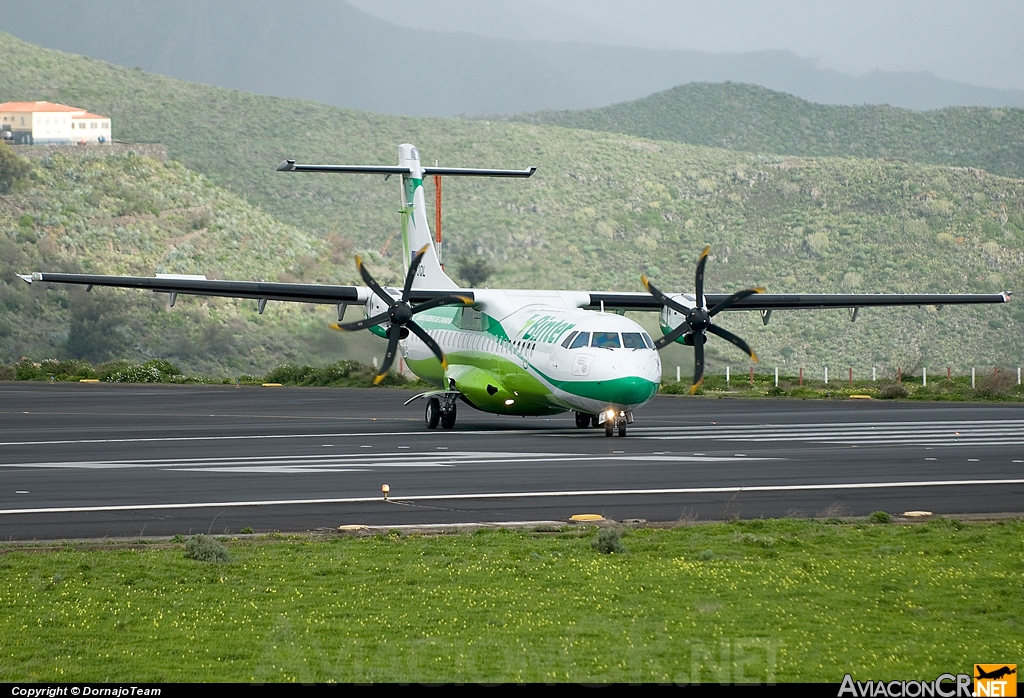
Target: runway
{"points": [[93, 460]]}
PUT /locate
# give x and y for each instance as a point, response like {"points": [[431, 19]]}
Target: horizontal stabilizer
{"points": [[291, 166]]}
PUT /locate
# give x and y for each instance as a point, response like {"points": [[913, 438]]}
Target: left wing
{"points": [[262, 291]]}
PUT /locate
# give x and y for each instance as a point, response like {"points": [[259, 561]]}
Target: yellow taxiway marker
{"points": [[915, 514], [860, 397], [352, 527], [89, 380], [586, 517], [271, 385]]}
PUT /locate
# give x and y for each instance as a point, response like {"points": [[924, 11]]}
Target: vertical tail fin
{"points": [[415, 228]]}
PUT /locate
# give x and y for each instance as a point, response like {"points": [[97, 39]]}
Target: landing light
{"points": [[610, 414], [509, 402]]}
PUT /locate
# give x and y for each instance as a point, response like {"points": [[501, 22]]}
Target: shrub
{"points": [[206, 549], [997, 384], [608, 541], [706, 555], [880, 517], [892, 391]]}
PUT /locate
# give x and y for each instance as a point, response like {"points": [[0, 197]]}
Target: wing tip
{"points": [[379, 377]]}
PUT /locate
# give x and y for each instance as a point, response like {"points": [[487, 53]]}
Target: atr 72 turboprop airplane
{"points": [[512, 351]]}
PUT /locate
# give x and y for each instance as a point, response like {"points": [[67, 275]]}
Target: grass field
{"points": [[782, 600]]}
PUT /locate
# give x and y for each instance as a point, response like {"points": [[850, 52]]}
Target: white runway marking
{"points": [[362, 462], [521, 495], [945, 433]]}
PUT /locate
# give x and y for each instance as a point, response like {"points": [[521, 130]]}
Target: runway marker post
{"points": [[851, 376], [924, 377], [972, 377], [826, 375], [801, 375], [777, 376], [727, 375]]}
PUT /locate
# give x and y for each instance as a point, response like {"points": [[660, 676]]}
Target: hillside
{"points": [[331, 52], [604, 208], [85, 211], [746, 117]]}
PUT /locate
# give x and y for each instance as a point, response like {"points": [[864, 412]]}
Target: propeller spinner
{"points": [[400, 313], [697, 320]]}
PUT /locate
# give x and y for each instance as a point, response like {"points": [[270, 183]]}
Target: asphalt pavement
{"points": [[94, 460]]}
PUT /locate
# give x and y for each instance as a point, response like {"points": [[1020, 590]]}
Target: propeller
{"points": [[697, 320], [400, 313]]}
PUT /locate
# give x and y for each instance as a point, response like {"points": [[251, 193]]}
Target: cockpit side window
{"points": [[633, 340], [606, 340], [582, 340], [648, 340], [568, 340]]}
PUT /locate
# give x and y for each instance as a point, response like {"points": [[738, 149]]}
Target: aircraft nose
{"points": [[631, 390]]}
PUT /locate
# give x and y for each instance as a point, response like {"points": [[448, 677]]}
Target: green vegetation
{"points": [[602, 209], [759, 120], [120, 213], [748, 601], [12, 168], [999, 385], [342, 374]]}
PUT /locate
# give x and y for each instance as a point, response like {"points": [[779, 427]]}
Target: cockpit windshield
{"points": [[633, 340], [582, 340], [606, 340]]}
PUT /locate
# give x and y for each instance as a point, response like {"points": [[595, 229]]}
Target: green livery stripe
{"points": [[631, 390]]}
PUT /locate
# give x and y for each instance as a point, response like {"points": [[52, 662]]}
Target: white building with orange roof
{"points": [[46, 123]]}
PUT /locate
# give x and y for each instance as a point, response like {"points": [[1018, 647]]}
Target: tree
{"points": [[475, 270], [96, 332], [12, 167]]}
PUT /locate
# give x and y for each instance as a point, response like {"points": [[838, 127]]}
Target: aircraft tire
{"points": [[594, 423], [582, 420], [622, 429], [448, 418], [608, 428], [433, 413]]}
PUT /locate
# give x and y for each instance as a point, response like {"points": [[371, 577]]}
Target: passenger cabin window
{"points": [[568, 340], [605, 340], [633, 340], [582, 340]]}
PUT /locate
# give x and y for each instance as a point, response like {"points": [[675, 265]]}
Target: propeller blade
{"points": [[698, 363], [453, 299], [700, 276], [360, 324], [394, 332], [672, 336], [730, 337], [411, 275], [733, 299], [429, 341], [662, 298], [374, 286]]}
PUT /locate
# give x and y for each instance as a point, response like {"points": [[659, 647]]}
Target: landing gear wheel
{"points": [[448, 417], [608, 428], [594, 423], [582, 420], [433, 413], [622, 429]]}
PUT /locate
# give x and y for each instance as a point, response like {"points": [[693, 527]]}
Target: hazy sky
{"points": [[979, 42]]}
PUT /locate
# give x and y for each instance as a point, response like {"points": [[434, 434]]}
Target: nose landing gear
{"points": [[614, 420]]}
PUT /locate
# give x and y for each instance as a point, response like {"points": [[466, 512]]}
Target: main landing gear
{"points": [[441, 410], [613, 421]]}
